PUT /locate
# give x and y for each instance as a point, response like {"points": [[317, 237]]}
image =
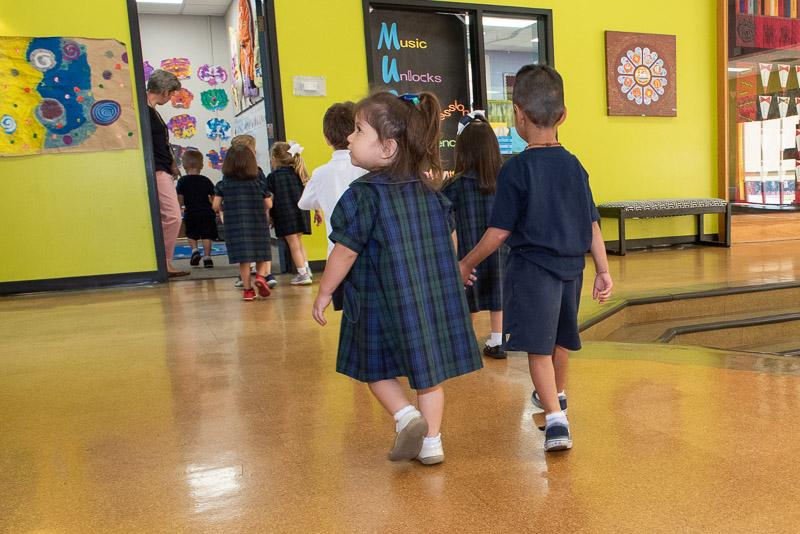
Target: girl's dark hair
{"points": [[413, 122], [478, 153], [240, 163]]}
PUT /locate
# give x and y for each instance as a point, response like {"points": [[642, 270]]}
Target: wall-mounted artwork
{"points": [[182, 98], [179, 66], [218, 129], [182, 126], [214, 99], [215, 158], [212, 74], [65, 94], [246, 80], [641, 74]]}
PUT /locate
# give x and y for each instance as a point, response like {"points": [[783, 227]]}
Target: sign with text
{"points": [[416, 51]]}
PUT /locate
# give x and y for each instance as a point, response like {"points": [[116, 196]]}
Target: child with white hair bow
{"points": [[286, 183]]}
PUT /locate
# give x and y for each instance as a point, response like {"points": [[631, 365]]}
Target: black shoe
{"points": [[195, 261], [208, 263], [498, 352]]}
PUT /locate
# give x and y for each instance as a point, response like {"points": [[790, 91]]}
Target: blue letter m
{"points": [[389, 37]]}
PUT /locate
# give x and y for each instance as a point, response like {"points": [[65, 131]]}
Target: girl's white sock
{"points": [[435, 441], [302, 271], [496, 339], [401, 417]]}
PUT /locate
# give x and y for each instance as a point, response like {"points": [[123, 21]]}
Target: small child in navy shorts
{"points": [[545, 212]]}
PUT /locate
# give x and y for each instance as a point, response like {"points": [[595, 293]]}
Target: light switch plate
{"points": [[309, 86]]}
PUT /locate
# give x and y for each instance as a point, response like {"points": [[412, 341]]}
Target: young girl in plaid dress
{"points": [[405, 313], [245, 201], [286, 183], [472, 194]]}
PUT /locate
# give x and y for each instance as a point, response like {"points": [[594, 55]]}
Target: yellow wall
{"points": [[627, 157], [79, 214]]}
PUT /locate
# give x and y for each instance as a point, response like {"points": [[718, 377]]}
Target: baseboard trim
{"points": [[78, 283], [655, 242]]}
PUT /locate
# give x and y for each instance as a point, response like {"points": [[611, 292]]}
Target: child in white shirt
{"points": [[329, 182]]}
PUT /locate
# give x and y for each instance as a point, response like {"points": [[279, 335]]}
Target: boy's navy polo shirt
{"points": [[543, 198]]}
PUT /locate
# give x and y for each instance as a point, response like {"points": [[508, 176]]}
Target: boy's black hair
{"points": [[338, 124], [539, 93]]}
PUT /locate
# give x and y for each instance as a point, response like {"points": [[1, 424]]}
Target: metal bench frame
{"points": [[621, 214]]}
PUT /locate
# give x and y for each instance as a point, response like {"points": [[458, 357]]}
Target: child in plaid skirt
{"points": [[286, 183], [472, 194], [245, 201], [404, 309]]}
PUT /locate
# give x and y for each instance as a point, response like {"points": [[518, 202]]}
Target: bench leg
{"points": [[622, 235], [700, 229]]}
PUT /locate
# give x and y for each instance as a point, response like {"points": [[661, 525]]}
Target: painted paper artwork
{"points": [[246, 79], [212, 74], [60, 94], [641, 74], [179, 150], [182, 126], [214, 99], [148, 70], [218, 129], [179, 66], [215, 158], [182, 98]]}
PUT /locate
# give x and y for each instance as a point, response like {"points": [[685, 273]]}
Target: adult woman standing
{"points": [[160, 87]]}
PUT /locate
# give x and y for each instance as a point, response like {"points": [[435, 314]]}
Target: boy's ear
{"points": [[562, 118]]}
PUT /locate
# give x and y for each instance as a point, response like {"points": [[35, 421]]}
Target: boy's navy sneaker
{"points": [[562, 401], [208, 263], [271, 281], [556, 437], [195, 259]]}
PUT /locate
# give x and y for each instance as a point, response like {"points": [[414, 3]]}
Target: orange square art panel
{"points": [[641, 74]]}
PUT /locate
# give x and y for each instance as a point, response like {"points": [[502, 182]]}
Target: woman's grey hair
{"points": [[161, 82]]}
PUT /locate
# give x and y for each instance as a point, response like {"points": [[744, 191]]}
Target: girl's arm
{"points": [[268, 202], [491, 241], [339, 264], [216, 205], [601, 291]]}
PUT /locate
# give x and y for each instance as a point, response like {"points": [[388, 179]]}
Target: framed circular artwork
{"points": [[641, 74]]}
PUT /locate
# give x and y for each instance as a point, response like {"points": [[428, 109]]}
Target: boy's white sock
{"points": [[495, 340], [206, 257], [195, 250], [556, 417], [561, 394], [404, 416], [301, 271]]}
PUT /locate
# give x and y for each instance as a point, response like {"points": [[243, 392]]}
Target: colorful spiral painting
{"points": [[65, 94]]}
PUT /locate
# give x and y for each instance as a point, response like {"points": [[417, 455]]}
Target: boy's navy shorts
{"points": [[540, 310]]}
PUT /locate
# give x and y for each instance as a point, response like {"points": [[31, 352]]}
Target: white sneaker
{"points": [[432, 452], [239, 284], [301, 280]]}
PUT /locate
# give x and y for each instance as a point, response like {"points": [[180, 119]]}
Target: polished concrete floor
{"points": [[182, 409]]}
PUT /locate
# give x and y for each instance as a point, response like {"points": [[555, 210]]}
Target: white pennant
{"points": [[766, 70]]}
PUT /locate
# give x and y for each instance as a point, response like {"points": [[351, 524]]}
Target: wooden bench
{"points": [[668, 207]]}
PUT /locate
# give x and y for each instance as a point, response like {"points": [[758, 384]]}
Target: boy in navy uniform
{"points": [[545, 212]]}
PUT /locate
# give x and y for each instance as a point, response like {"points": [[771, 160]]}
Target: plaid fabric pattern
{"points": [[472, 210], [287, 188], [405, 313], [246, 227]]}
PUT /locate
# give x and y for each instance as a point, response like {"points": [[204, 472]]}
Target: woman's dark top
{"points": [[162, 153]]}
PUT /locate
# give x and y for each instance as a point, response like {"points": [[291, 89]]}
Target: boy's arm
{"points": [[490, 242], [601, 291], [339, 264], [216, 205], [309, 199]]}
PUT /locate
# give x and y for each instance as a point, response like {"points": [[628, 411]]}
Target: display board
{"points": [[415, 51]]}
